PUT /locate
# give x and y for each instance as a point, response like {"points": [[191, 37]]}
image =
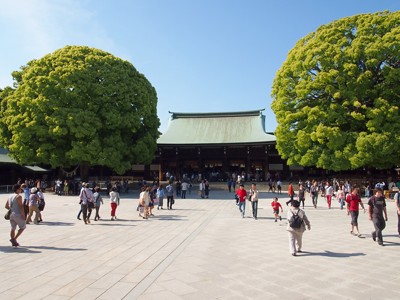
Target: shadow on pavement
{"points": [[330, 254], [28, 249], [56, 223]]}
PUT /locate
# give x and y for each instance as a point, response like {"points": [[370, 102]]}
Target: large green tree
{"points": [[80, 105], [337, 95]]}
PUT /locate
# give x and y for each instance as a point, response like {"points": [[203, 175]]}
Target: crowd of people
{"points": [[28, 202], [348, 196]]}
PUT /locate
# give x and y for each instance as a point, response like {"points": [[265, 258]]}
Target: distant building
{"points": [[216, 145]]}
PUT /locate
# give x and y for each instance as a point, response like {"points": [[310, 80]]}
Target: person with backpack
{"points": [[376, 210], [297, 223]]}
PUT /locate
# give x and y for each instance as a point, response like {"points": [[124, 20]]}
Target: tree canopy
{"points": [[336, 97], [79, 105]]}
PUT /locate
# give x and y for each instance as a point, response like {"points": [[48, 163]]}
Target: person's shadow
{"points": [[330, 254]]}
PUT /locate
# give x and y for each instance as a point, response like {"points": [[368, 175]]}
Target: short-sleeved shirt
{"points": [[275, 205], [354, 202], [377, 204], [242, 194]]}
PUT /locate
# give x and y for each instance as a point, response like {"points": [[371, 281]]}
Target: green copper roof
{"points": [[245, 127]]}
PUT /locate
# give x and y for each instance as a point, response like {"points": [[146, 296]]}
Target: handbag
{"points": [[8, 214], [90, 204]]}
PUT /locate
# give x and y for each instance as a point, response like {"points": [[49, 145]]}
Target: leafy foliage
{"points": [[80, 105], [337, 95]]}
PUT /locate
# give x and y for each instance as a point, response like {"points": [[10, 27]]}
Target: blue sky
{"points": [[201, 56]]}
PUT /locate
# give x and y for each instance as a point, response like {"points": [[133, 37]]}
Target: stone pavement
{"points": [[202, 249]]}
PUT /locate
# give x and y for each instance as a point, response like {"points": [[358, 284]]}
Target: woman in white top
{"points": [[145, 201], [114, 201]]}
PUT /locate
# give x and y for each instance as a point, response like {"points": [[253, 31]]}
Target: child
{"points": [[275, 206]]}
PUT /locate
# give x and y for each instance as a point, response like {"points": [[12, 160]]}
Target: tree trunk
{"points": [[84, 170]]}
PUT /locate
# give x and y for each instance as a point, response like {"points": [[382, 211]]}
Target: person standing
{"points": [[66, 187], [242, 194], [279, 186], [206, 188], [17, 217], [376, 210], [114, 202], [341, 197], [25, 189], [98, 200], [397, 202], [169, 189], [160, 196], [184, 187], [296, 234], [229, 182], [353, 202], [290, 193], [253, 195], [58, 186], [202, 189]]}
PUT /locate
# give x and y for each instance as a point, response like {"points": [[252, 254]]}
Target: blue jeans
{"points": [[379, 224], [254, 206], [242, 207]]}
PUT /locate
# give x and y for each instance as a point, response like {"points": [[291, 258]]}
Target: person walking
{"points": [[253, 197], [290, 193], [376, 210], [328, 194], [397, 203], [17, 217], [242, 194], [296, 229], [114, 202], [98, 200], [353, 202], [85, 196], [275, 207], [314, 193], [301, 195], [33, 207]]}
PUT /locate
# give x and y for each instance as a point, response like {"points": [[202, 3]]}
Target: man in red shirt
{"points": [[242, 194], [353, 202]]}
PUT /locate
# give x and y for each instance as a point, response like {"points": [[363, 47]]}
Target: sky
{"points": [[200, 55]]}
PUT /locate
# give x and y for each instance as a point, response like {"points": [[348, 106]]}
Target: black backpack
{"points": [[295, 221]]}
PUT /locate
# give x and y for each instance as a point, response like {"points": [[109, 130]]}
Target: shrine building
{"points": [[218, 144]]}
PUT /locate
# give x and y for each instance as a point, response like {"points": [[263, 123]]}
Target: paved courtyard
{"points": [[202, 249]]}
